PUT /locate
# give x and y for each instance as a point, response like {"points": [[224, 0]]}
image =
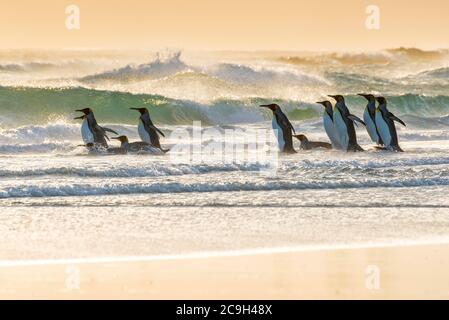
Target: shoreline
{"points": [[394, 272], [217, 254]]}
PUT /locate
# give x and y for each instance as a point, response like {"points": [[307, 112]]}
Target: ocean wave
{"points": [[158, 68], [262, 75], [105, 188], [36, 66], [24, 106], [27, 106], [132, 171], [172, 65], [39, 134], [440, 73], [139, 168], [383, 57], [36, 148]]}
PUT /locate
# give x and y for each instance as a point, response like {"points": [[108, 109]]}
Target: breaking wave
{"points": [[173, 65], [159, 68], [106, 188]]}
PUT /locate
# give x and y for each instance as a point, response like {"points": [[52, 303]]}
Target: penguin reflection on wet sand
{"points": [[309, 145], [369, 116], [344, 125], [137, 146], [147, 130], [91, 131], [386, 127], [282, 128]]}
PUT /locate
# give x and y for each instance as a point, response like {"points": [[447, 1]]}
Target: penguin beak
{"points": [[333, 97], [322, 103], [363, 95], [137, 109], [264, 106], [83, 111], [115, 138]]}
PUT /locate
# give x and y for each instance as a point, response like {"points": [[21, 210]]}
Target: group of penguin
{"points": [[338, 122], [95, 136], [339, 126]]}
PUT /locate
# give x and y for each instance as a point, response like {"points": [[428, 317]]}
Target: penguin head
{"points": [[141, 110], [368, 97], [381, 100], [273, 107], [301, 137], [382, 104], [326, 104], [338, 98], [86, 111], [122, 139]]}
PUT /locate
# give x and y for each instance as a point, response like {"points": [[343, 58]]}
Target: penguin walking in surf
{"points": [[344, 125], [91, 131], [386, 126], [369, 116], [329, 127], [282, 128], [147, 130]]}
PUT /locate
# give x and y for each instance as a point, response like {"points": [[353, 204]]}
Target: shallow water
{"points": [[58, 201], [67, 204]]}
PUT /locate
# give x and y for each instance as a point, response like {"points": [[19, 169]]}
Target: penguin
{"points": [[91, 131], [137, 146], [369, 116], [328, 123], [386, 127], [309, 145], [282, 128], [147, 130], [344, 125], [117, 150]]}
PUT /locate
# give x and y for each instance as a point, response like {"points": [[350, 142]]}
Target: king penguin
{"points": [[386, 127], [91, 131], [328, 123], [147, 130], [306, 144], [137, 146], [369, 116], [282, 128], [344, 125]]}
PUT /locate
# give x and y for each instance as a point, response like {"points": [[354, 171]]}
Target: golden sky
{"points": [[224, 24]]}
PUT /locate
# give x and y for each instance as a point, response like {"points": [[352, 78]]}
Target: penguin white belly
{"points": [[383, 129], [86, 134], [279, 134], [143, 134], [341, 130], [370, 126], [330, 130]]}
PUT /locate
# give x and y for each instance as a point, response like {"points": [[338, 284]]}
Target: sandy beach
{"points": [[408, 272]]}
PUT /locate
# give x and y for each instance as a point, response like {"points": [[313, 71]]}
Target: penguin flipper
{"points": [[394, 118], [356, 119], [160, 132], [109, 130]]}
